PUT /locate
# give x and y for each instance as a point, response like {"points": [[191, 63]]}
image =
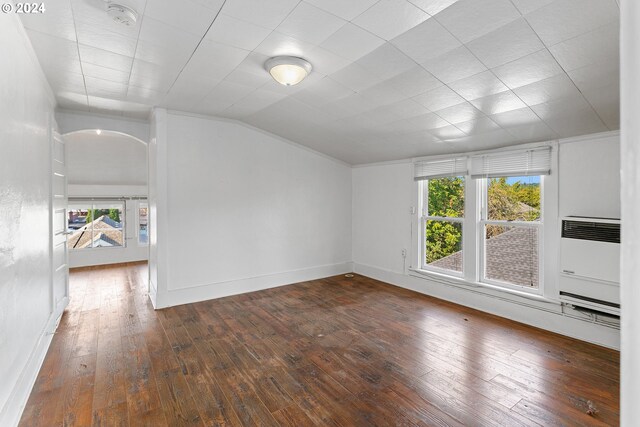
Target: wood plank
{"points": [[330, 352]]}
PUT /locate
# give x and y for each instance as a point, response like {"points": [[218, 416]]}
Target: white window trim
{"points": [[485, 288], [139, 204], [480, 227], [422, 223], [93, 205], [472, 240]]}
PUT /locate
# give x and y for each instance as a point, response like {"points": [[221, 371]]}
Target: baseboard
{"points": [[87, 260], [234, 287], [153, 293], [13, 408], [548, 318]]}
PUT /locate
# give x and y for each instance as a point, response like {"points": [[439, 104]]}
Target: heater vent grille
{"points": [[591, 230]]}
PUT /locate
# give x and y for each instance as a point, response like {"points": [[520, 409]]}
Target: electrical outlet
{"points": [[404, 253]]}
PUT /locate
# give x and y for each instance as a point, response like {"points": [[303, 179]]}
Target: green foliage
{"points": [[507, 202], [446, 199], [513, 202], [114, 214], [443, 239], [92, 214]]}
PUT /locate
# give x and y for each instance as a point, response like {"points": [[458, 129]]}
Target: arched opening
{"points": [[107, 188]]}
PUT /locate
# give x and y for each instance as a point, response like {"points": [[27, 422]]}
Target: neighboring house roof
{"points": [[510, 257], [106, 232]]}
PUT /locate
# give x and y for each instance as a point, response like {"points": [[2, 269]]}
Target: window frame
{"points": [[97, 204], [473, 235], [483, 221], [140, 205], [423, 203]]}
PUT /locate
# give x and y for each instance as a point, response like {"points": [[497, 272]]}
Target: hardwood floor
{"points": [[336, 352]]}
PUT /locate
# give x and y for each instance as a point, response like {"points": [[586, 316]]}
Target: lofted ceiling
{"points": [[392, 78]]}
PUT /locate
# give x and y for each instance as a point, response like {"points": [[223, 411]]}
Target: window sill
{"points": [[100, 248], [483, 288]]}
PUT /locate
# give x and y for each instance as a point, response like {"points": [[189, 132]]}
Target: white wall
{"points": [[248, 210], [630, 149], [382, 226], [382, 196], [589, 170], [71, 121], [111, 158], [26, 117]]}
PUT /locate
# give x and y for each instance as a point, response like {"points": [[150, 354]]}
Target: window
{"points": [[442, 216], [96, 225], [481, 218], [143, 224], [510, 222]]}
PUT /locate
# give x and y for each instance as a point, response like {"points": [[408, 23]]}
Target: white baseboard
{"points": [[153, 293], [252, 284], [544, 316], [13, 408]]}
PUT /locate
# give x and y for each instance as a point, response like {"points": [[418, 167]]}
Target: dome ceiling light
{"points": [[288, 70]]}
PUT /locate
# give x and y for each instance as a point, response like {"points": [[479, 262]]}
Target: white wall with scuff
{"points": [[26, 308], [383, 225], [248, 210]]}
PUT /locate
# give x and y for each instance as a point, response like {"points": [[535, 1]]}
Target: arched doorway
{"points": [[107, 197]]}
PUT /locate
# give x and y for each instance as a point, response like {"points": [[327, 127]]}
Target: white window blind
{"points": [[535, 161], [430, 169]]}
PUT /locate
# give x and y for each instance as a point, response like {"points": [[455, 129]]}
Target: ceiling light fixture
{"points": [[288, 70], [122, 14], [98, 131]]}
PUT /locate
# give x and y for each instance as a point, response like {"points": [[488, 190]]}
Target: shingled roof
{"points": [[512, 257], [106, 232]]}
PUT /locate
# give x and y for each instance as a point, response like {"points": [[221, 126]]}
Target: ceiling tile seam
{"points": [[510, 89], [385, 40], [197, 46], [347, 22], [247, 96], [223, 78], [497, 77], [319, 45], [75, 29], [565, 72], [362, 13], [573, 37], [135, 50], [315, 46], [382, 81], [581, 94], [563, 69], [485, 65]]}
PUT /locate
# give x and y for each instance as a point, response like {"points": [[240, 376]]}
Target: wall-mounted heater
{"points": [[590, 263]]}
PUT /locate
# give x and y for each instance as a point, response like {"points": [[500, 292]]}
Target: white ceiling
{"points": [[392, 78]]}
